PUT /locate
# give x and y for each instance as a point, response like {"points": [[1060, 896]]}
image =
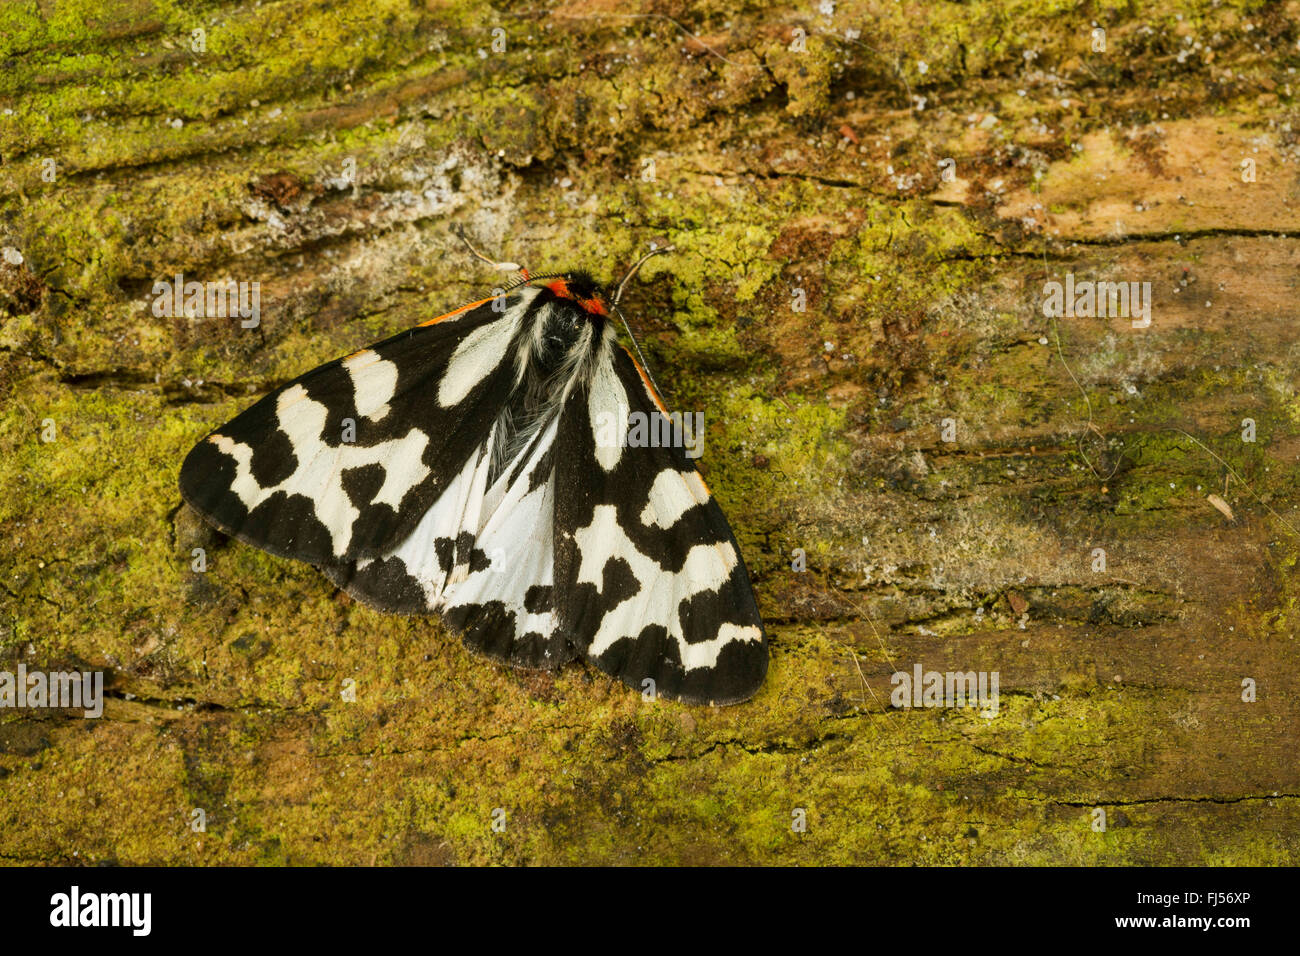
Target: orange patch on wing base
{"points": [[453, 312]]}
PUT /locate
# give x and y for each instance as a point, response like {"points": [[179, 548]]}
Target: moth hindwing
{"points": [[467, 467]]}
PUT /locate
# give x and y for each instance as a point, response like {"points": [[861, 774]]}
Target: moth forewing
{"points": [[456, 469]]}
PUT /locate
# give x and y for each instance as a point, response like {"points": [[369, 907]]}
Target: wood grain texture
{"points": [[325, 150]]}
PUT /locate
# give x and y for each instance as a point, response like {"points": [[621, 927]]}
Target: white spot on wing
{"points": [[374, 380], [606, 397], [671, 496], [321, 466], [244, 486], [737, 632], [707, 568], [480, 352]]}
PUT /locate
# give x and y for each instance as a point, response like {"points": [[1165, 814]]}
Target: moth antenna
{"points": [[645, 367], [618, 294], [500, 266]]}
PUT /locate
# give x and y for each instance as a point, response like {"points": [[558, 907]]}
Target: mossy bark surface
{"points": [[791, 156]]}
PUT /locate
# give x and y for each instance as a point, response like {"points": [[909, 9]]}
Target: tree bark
{"points": [[867, 208]]}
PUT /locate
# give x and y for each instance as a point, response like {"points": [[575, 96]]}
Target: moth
{"points": [[467, 468]]}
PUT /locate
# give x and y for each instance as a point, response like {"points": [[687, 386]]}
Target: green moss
{"points": [[805, 71], [229, 684]]}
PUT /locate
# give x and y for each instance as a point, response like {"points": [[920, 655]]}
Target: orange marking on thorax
{"points": [[593, 305]]}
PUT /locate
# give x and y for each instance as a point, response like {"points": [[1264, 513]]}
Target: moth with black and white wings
{"points": [[466, 467]]}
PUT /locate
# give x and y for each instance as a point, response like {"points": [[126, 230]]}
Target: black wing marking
{"points": [[650, 581], [282, 477], [482, 558]]}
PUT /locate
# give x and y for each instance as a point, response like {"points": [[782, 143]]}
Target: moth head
{"points": [[570, 323], [584, 291]]}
